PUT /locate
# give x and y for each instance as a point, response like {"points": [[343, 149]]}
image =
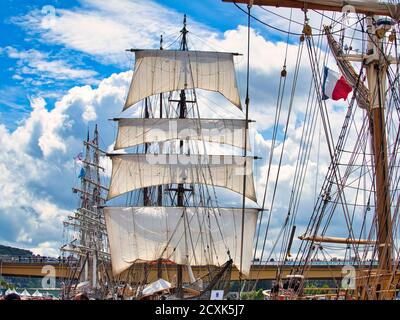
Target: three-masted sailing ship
{"points": [[170, 236], [85, 252]]}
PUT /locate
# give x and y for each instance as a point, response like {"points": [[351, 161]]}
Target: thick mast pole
{"points": [[160, 189], [146, 193], [181, 189], [376, 74], [96, 192], [182, 113], [86, 204]]}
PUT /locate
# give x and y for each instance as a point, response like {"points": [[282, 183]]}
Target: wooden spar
{"points": [[363, 7], [93, 165], [75, 190], [95, 184], [376, 76], [337, 240], [88, 143]]}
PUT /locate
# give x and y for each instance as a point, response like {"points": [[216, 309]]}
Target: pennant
{"points": [[78, 158], [82, 173]]}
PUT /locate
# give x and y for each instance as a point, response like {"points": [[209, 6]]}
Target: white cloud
{"points": [[47, 248], [36, 165], [39, 65], [105, 29]]}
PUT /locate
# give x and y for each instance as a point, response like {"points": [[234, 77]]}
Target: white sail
{"points": [[158, 71], [136, 171], [149, 233], [132, 132]]}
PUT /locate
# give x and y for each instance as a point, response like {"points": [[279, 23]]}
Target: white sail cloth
{"points": [[201, 235], [156, 286], [158, 71], [136, 171], [132, 132]]}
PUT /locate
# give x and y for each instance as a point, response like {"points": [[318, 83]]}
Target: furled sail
{"points": [[149, 233], [132, 132], [135, 171], [158, 71]]}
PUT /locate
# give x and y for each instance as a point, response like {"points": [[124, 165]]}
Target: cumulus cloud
{"points": [[105, 29], [36, 165], [37, 68]]}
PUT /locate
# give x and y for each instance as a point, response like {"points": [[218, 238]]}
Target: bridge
{"points": [[317, 270]]}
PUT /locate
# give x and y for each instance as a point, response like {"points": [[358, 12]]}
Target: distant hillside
{"points": [[10, 251]]}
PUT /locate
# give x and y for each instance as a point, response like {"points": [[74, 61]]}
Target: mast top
{"points": [[184, 22], [184, 32]]}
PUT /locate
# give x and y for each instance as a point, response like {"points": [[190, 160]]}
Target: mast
{"points": [[146, 197], [182, 112], [376, 75], [91, 246], [160, 188], [181, 189]]}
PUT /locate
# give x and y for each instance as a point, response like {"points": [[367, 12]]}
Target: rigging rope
{"points": [[247, 102], [281, 89], [276, 28]]}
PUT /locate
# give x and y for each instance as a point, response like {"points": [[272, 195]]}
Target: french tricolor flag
{"points": [[335, 86]]}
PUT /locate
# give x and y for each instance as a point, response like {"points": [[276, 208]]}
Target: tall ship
{"points": [[170, 234], [85, 250]]}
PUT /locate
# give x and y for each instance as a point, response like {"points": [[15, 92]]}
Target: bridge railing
{"points": [[316, 263], [55, 261], [33, 260]]}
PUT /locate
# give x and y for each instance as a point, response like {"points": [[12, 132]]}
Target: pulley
{"points": [[392, 36], [307, 30]]}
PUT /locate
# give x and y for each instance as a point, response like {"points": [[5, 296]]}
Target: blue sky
{"points": [[13, 33], [63, 68], [18, 33]]}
